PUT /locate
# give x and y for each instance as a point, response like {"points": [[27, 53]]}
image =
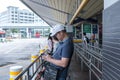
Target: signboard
{"points": [[94, 29], [69, 28], [87, 28]]}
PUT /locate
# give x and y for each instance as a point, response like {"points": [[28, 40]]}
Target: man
{"points": [[62, 56], [85, 38]]}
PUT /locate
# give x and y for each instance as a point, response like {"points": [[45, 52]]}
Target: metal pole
{"points": [[81, 65], [90, 67]]}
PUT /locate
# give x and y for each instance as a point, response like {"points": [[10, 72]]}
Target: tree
{"points": [[15, 30]]}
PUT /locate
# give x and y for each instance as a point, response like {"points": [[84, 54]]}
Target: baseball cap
{"points": [[57, 28]]}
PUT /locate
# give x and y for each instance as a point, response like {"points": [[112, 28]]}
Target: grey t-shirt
{"points": [[65, 49]]}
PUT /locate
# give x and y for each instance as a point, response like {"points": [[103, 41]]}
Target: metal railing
{"points": [[31, 71], [92, 58], [89, 54]]}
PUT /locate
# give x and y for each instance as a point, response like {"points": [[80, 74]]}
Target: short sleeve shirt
{"points": [[65, 50]]}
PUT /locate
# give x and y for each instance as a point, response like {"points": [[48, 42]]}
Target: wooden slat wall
{"points": [[111, 42]]}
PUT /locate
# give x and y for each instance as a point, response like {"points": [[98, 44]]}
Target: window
{"points": [[21, 16], [12, 18], [21, 13], [25, 13], [12, 12]]}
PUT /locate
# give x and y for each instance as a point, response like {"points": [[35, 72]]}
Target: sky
{"points": [[5, 3]]}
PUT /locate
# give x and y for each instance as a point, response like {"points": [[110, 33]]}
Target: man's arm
{"points": [[63, 62]]}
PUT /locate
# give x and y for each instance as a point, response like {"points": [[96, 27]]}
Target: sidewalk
{"points": [[74, 70]]}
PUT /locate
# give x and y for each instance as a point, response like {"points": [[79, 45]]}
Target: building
{"points": [[14, 15]]}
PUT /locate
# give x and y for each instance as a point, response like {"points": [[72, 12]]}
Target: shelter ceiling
{"points": [[61, 11]]}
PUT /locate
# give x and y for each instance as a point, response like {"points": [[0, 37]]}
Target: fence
{"points": [[91, 56], [31, 71]]}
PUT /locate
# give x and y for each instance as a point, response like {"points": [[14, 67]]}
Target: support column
{"points": [[81, 65], [43, 32], [27, 32]]}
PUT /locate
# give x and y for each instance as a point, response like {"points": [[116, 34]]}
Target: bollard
{"points": [[34, 57], [42, 51], [14, 71]]}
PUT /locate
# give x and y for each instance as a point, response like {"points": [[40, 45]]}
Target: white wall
{"points": [[108, 3]]}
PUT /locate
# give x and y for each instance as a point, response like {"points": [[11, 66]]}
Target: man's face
{"points": [[59, 35]]}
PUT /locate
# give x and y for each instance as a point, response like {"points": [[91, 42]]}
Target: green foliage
{"points": [[14, 30]]}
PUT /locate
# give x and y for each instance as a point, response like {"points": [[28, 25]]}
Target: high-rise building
{"points": [[15, 15]]}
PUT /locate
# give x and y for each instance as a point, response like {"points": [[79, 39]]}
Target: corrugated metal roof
{"points": [[61, 11]]}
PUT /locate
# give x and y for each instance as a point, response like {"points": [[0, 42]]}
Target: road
{"points": [[17, 52]]}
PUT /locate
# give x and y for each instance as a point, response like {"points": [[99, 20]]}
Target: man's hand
{"points": [[46, 57]]}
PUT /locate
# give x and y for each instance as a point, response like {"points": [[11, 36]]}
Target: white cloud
{"points": [[5, 3]]}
